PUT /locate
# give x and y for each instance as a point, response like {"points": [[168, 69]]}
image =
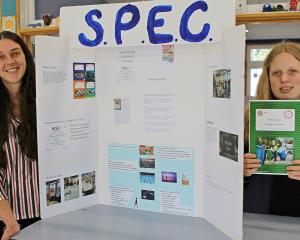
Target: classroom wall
{"points": [[8, 7], [43, 7]]}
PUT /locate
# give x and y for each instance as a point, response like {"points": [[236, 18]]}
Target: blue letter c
{"points": [[185, 33]]}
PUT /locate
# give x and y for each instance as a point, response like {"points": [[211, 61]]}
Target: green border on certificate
{"points": [[274, 131]]}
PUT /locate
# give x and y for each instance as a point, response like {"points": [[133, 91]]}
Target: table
{"points": [[115, 223]]}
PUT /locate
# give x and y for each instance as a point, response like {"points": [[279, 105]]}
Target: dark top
{"points": [[272, 194]]}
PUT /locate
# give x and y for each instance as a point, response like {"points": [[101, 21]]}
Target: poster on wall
{"points": [[9, 23], [143, 119]]}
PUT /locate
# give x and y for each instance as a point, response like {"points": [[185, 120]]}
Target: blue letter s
{"points": [[94, 25], [185, 32]]}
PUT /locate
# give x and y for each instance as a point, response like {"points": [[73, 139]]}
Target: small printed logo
{"points": [[288, 114], [260, 113], [168, 53]]}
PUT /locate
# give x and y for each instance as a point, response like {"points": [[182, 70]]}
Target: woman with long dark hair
{"points": [[19, 191]]}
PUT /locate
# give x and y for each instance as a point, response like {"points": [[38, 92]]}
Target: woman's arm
{"points": [[7, 216]]}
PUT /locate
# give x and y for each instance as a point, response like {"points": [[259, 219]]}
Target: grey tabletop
{"points": [[114, 223]]}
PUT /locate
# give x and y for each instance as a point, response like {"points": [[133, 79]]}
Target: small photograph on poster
{"points": [[146, 177], [185, 180], [53, 192], [78, 71], [117, 104], [84, 80], [168, 53], [147, 162], [146, 150], [275, 150], [79, 89], [228, 147], [71, 187], [90, 80], [221, 83], [170, 177], [147, 195], [88, 183], [122, 111]]}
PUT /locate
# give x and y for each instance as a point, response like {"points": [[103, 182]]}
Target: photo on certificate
{"points": [[275, 150], [274, 134]]}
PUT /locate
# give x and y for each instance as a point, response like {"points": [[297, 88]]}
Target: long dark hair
{"points": [[26, 131]]}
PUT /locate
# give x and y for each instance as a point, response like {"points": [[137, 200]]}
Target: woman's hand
{"points": [[251, 163], [10, 231], [294, 170]]}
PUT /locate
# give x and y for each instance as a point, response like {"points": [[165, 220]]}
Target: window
{"points": [[256, 54]]}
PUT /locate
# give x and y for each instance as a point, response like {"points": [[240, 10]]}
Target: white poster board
{"points": [[155, 127]]}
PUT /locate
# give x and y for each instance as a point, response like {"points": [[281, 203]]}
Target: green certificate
{"points": [[274, 131]]}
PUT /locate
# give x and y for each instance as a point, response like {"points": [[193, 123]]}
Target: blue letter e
{"points": [[119, 26], [152, 23], [94, 25], [184, 30]]}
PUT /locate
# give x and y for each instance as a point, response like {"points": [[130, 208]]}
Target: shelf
{"points": [[267, 17], [39, 31], [244, 18]]}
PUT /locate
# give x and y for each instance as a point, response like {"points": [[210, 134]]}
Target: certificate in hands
{"points": [[274, 134]]}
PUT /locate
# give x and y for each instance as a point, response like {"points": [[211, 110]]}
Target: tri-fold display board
{"points": [[140, 105]]}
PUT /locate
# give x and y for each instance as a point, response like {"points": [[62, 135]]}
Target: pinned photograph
{"points": [[221, 83], [146, 150], [147, 195], [88, 183], [117, 104], [84, 84], [228, 145], [147, 162], [170, 177], [53, 192], [185, 179], [146, 177], [71, 188]]}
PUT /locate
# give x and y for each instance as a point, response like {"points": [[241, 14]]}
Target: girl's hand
{"points": [[10, 231], [294, 170], [251, 163]]}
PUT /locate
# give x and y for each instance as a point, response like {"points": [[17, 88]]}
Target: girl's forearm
{"points": [[6, 214]]}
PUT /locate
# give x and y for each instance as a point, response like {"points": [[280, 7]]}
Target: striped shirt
{"points": [[19, 181]]}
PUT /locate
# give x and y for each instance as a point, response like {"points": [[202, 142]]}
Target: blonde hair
{"points": [[263, 90]]}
